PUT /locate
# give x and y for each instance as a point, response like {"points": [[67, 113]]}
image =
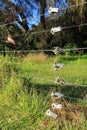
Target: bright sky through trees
{"points": [[31, 9]]}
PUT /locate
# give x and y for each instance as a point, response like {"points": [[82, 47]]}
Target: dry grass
{"points": [[38, 57], [66, 115], [25, 110]]}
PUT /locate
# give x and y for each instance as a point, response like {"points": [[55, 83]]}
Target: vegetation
{"points": [[27, 80], [24, 99], [69, 17]]}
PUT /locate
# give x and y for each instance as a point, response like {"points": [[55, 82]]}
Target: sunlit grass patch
{"points": [[24, 99]]}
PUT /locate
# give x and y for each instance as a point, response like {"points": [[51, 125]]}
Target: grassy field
{"points": [[25, 86]]}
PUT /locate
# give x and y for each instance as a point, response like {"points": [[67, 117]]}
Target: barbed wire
{"points": [[73, 84], [70, 6], [14, 22], [68, 97], [33, 33], [58, 117], [49, 51], [48, 80], [26, 51], [79, 125], [45, 31], [71, 49], [73, 26], [56, 49], [35, 77]]}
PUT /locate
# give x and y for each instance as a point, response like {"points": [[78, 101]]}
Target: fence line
{"points": [[24, 34], [35, 77], [60, 9], [26, 51], [58, 117], [45, 31], [52, 81], [14, 22], [54, 50], [68, 97]]}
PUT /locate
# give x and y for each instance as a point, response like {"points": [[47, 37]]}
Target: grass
{"points": [[74, 70], [24, 100]]}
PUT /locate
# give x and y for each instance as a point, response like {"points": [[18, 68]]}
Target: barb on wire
{"points": [[61, 81], [58, 29], [55, 50], [50, 10], [52, 30], [35, 77], [53, 10], [58, 81], [58, 50], [49, 113]]}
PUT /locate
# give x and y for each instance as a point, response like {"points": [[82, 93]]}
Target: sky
{"points": [[33, 14]]}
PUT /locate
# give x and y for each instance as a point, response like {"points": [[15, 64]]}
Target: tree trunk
{"points": [[42, 11]]}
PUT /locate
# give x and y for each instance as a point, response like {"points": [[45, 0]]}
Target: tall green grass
{"points": [[24, 100], [75, 69]]}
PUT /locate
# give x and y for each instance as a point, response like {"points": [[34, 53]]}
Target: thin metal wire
{"points": [[44, 31], [69, 97], [70, 6], [51, 81], [26, 51], [35, 77], [70, 110], [42, 50], [33, 33], [73, 49], [14, 22], [73, 26], [73, 84]]}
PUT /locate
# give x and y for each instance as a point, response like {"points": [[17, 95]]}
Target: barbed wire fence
{"points": [[59, 81]]}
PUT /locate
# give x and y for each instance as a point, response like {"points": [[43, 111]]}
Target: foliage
{"points": [[23, 106], [68, 17]]}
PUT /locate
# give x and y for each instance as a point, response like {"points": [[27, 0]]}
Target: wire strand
{"points": [[35, 77], [33, 33], [69, 27], [70, 6], [14, 22], [43, 50], [44, 31], [51, 81]]}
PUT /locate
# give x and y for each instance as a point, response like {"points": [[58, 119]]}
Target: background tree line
{"points": [[73, 37]]}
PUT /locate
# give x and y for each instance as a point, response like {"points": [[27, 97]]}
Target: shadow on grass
{"points": [[67, 90]]}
